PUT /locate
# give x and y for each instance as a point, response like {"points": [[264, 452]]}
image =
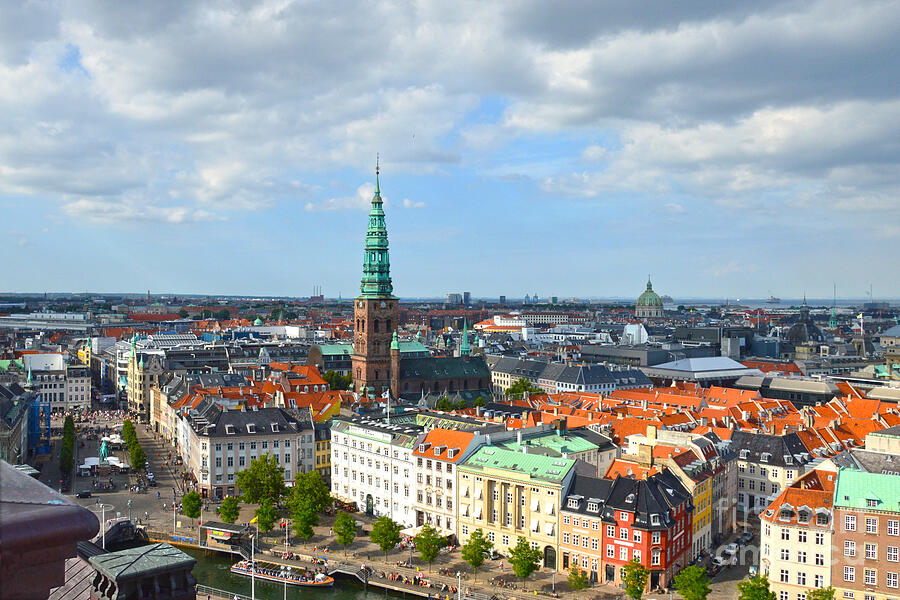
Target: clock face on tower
{"points": [[383, 304]]}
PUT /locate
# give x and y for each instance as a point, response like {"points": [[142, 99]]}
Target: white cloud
{"points": [[407, 203], [361, 201], [113, 212], [674, 207]]}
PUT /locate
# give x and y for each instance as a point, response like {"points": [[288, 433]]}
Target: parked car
{"points": [[746, 536], [731, 549], [151, 482], [83, 494]]}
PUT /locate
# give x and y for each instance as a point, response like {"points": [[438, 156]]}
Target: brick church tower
{"points": [[375, 310]]}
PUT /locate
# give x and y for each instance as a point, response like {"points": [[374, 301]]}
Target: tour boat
{"points": [[273, 572]]}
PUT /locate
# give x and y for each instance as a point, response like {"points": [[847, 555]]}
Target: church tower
{"points": [[375, 310]]}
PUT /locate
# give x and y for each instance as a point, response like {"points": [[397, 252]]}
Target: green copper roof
{"points": [[141, 562], [520, 465], [558, 444], [394, 344], [649, 297], [855, 489], [376, 279], [464, 344]]}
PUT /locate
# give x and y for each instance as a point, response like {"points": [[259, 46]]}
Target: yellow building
{"points": [[510, 494], [323, 451]]}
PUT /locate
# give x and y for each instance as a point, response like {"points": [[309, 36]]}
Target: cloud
{"points": [[673, 207], [109, 212], [362, 200], [407, 203]]}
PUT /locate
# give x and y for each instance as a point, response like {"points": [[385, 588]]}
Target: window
{"points": [[871, 524], [801, 536], [785, 554], [655, 537], [491, 536], [576, 539], [623, 553], [783, 576], [849, 573], [819, 581], [594, 543], [820, 560], [566, 519], [611, 530], [871, 577], [871, 551], [849, 548], [610, 551], [785, 534], [820, 539], [821, 519], [654, 557], [505, 540], [636, 555], [565, 538], [623, 533], [801, 578], [893, 527], [891, 580], [465, 529], [892, 554], [801, 557], [783, 595], [849, 522], [636, 535]]}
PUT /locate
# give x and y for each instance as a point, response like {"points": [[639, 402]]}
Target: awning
{"points": [[548, 528], [534, 524], [464, 509], [414, 531], [478, 493], [548, 507], [535, 505], [478, 512]]}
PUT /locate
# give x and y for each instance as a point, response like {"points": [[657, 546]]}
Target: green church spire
{"points": [[376, 279], [464, 344]]}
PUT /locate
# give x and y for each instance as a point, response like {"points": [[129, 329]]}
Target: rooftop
{"points": [[872, 491], [527, 466]]}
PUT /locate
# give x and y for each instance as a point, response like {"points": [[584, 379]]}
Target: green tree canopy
{"points": [[191, 504], [344, 529], [479, 401], [138, 458], [429, 543], [692, 583], [635, 578], [311, 489], [525, 560], [304, 519], [474, 551], [183, 313], [520, 386], [336, 381], [265, 515], [578, 579], [821, 594], [223, 314], [264, 478], [386, 534], [230, 509], [756, 588]]}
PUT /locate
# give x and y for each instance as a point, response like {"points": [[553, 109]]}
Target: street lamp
{"points": [[103, 508], [285, 573], [129, 509], [252, 569], [458, 585]]}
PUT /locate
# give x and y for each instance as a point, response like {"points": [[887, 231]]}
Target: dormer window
{"points": [[573, 503], [654, 519], [803, 516], [788, 459], [871, 502], [251, 428], [629, 498], [229, 429], [764, 457], [452, 452], [744, 453], [822, 519], [593, 506], [274, 427], [786, 514]]}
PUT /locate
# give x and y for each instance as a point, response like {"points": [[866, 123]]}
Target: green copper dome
{"points": [[395, 344], [649, 297], [257, 322], [376, 279]]}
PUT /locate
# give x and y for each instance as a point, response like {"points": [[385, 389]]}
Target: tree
{"points": [[344, 529], [336, 381], [635, 578], [475, 550], [304, 519], [311, 489], [265, 515], [756, 588], [479, 402], [820, 594], [264, 478], [223, 314], [230, 509], [386, 534], [578, 579], [191, 504], [138, 458], [520, 386], [183, 313], [692, 583], [429, 543], [525, 560]]}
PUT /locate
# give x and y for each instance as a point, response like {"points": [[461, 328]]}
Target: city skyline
{"points": [[729, 151]]}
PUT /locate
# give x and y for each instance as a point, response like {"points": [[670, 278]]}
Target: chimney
{"points": [[519, 437], [651, 433]]}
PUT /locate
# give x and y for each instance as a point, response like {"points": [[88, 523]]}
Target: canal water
{"points": [[213, 569]]}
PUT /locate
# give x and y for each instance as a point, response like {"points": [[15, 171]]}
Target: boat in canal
{"points": [[272, 572]]}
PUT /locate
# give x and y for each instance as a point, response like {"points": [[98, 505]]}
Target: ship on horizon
{"points": [[773, 300]]}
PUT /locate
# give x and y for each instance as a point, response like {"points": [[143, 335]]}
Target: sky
{"points": [[727, 149]]}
